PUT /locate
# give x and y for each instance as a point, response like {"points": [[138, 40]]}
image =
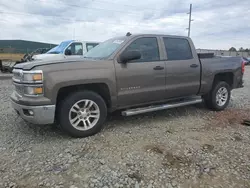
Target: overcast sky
{"points": [[218, 24]]}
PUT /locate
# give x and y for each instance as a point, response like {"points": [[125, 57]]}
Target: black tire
{"points": [[69, 101], [210, 98]]}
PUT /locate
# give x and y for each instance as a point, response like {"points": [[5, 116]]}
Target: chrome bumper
{"points": [[41, 114]]}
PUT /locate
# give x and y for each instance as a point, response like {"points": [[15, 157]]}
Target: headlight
{"points": [[20, 76], [28, 83], [32, 76], [29, 90], [33, 90]]}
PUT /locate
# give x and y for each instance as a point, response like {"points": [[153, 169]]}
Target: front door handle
{"points": [[158, 68], [194, 65]]}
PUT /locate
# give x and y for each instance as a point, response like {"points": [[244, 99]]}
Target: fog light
{"points": [[28, 112], [31, 112]]}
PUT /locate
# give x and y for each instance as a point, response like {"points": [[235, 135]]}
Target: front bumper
{"points": [[41, 114]]}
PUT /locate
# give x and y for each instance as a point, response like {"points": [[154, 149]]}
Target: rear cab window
{"points": [[177, 49]]}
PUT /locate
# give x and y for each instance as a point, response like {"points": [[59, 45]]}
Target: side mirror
{"points": [[68, 52], [129, 56]]}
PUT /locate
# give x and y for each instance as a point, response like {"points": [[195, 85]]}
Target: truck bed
{"points": [[218, 62]]}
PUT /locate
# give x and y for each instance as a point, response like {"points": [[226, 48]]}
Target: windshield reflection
{"points": [[104, 49], [60, 48]]}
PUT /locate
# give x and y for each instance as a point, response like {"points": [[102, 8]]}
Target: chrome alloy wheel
{"points": [[84, 115], [221, 96]]}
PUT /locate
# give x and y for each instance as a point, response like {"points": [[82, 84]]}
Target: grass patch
{"points": [[11, 57]]}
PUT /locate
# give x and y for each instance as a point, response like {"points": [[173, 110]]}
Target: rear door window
{"points": [[78, 49], [177, 49]]}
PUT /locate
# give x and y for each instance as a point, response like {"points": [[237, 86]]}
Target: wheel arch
{"points": [[100, 88], [227, 77]]}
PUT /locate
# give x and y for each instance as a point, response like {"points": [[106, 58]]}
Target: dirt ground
{"points": [[187, 147]]}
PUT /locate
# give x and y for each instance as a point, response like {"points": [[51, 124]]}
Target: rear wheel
{"points": [[82, 113], [218, 98]]}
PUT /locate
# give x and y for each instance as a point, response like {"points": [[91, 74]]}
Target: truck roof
{"points": [[80, 41], [154, 35]]}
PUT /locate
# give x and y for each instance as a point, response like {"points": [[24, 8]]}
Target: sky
{"points": [[217, 24]]}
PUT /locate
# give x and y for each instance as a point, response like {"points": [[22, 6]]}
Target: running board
{"points": [[175, 104]]}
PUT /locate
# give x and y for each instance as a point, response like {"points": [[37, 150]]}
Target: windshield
{"points": [[104, 49], [60, 48]]}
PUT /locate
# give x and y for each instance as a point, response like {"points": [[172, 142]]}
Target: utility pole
{"points": [[190, 20], [73, 33]]}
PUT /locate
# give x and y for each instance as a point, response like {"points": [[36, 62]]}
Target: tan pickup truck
{"points": [[134, 74]]}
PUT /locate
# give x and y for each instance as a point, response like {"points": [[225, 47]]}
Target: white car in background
{"points": [[67, 48]]}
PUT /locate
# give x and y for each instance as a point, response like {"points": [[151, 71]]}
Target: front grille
{"points": [[19, 89]]}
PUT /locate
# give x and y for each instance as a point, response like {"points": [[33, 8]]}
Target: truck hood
{"points": [[49, 56], [31, 64]]}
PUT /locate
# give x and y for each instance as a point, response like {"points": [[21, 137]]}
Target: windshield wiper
{"points": [[88, 57]]}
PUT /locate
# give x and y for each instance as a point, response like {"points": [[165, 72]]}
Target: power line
{"points": [[86, 7], [103, 1], [82, 20], [63, 18]]}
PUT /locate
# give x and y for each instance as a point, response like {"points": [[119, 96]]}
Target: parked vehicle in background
{"points": [[40, 51], [246, 60], [9, 65], [67, 48], [134, 74], [28, 56]]}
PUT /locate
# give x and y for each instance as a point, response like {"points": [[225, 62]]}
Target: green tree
{"points": [[232, 49], [241, 49]]}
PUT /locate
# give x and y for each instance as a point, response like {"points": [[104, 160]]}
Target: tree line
{"points": [[233, 49]]}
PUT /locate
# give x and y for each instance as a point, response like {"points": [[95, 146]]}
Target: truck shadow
{"points": [[114, 120]]}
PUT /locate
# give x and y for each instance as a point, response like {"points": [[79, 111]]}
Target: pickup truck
{"points": [[67, 48], [133, 74]]}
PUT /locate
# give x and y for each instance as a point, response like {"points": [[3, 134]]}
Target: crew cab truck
{"points": [[134, 74], [67, 48]]}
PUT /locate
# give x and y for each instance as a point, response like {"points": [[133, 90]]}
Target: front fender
{"points": [[58, 79]]}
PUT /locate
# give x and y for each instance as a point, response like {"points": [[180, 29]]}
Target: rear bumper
{"points": [[240, 84], [238, 81], [40, 114]]}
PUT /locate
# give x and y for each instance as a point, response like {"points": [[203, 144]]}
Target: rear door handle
{"points": [[158, 68], [194, 65]]}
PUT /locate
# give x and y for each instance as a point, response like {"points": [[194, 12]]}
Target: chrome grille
{"points": [[19, 89]]}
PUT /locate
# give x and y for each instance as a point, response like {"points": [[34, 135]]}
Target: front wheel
{"points": [[218, 98], [82, 113]]}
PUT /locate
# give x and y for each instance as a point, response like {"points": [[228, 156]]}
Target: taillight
{"points": [[243, 67]]}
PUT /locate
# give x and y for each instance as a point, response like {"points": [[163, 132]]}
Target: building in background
{"points": [[224, 52], [22, 46]]}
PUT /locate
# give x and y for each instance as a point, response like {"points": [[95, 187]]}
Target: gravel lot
{"points": [[184, 147]]}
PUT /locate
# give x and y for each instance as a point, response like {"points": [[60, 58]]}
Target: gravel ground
{"points": [[184, 147]]}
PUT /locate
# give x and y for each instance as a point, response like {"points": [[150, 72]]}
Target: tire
{"points": [[83, 116], [210, 98]]}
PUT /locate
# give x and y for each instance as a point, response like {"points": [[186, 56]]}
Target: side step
{"points": [[175, 104]]}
